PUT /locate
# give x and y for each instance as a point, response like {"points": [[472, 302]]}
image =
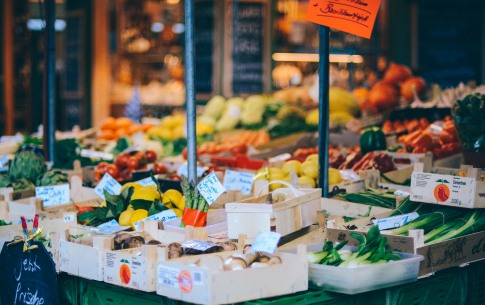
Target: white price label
{"points": [[109, 184], [211, 188], [69, 217], [4, 163], [168, 276], [238, 181], [163, 216], [110, 227], [266, 242], [146, 181], [98, 155], [53, 195], [401, 193], [395, 221]]}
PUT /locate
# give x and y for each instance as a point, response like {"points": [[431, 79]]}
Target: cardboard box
{"points": [[83, 260], [434, 186], [179, 279], [256, 215]]}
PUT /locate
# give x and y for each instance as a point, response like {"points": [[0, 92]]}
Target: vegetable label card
{"points": [[109, 184], [110, 227], [238, 181], [53, 195], [211, 188], [266, 242], [4, 163], [146, 181], [352, 16], [163, 216], [98, 155]]}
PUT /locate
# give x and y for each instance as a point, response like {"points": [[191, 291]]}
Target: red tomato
{"points": [[142, 159], [151, 156], [122, 160], [112, 170], [126, 174], [240, 149], [159, 168], [102, 166], [133, 162]]}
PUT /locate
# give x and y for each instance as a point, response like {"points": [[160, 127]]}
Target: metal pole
{"points": [[323, 138], [190, 90], [49, 81]]}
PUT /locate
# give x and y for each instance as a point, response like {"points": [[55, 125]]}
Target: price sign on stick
{"points": [[109, 184], [238, 181], [266, 242], [352, 16], [53, 195], [211, 188]]}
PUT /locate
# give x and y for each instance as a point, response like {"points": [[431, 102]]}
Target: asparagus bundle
{"points": [[193, 199]]}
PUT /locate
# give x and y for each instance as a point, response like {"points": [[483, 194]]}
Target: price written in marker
{"points": [[163, 216], [53, 195], [266, 242], [238, 181], [352, 16], [211, 188], [109, 184]]}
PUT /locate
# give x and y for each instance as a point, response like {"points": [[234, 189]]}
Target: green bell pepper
{"points": [[372, 139]]}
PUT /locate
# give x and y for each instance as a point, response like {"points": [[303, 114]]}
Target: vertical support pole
{"points": [[190, 90], [49, 81], [323, 138], [7, 23]]}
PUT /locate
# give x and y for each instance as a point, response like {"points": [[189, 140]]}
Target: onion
{"points": [[383, 96], [417, 83]]}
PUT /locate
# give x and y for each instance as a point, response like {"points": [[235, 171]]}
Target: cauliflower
{"points": [[214, 107]]}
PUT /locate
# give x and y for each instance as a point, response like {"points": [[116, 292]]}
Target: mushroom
{"points": [[153, 242], [174, 250], [264, 259], [119, 239], [235, 263], [275, 260], [133, 242], [228, 245], [259, 265], [246, 248], [254, 257]]}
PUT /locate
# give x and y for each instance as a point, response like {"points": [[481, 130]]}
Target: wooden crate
{"points": [[439, 256], [442, 186], [256, 215], [80, 259], [179, 279], [228, 196]]}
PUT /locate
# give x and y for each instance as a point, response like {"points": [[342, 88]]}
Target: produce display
{"points": [[372, 249], [373, 197]]}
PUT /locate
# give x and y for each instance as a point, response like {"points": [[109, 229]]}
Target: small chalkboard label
{"points": [[204, 23], [28, 277]]}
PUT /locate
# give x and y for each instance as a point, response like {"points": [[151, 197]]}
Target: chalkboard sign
{"points": [[204, 24], [449, 42], [248, 47], [28, 277]]}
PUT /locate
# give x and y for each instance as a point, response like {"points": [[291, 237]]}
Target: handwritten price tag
{"points": [[53, 195], [146, 181], [163, 216], [109, 184], [238, 181], [69, 217], [211, 188], [352, 16], [4, 163], [110, 227], [266, 242]]}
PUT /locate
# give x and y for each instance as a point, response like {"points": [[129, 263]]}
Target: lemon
{"points": [[178, 212], [306, 180], [275, 171], [102, 204], [174, 196], [125, 216], [137, 216], [181, 204], [334, 176], [144, 196], [133, 184], [309, 169], [295, 164], [130, 207], [312, 158]]}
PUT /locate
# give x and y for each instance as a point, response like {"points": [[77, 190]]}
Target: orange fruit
{"points": [[107, 134], [108, 123], [121, 132], [134, 129], [123, 122]]}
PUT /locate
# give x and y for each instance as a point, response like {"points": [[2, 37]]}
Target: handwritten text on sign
{"points": [[109, 184], [53, 195], [238, 181], [211, 188], [352, 16]]}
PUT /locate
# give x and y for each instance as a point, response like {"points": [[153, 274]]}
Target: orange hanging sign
{"points": [[352, 16]]}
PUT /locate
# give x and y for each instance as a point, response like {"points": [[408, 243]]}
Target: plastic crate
{"points": [[98, 293], [448, 287], [307, 297], [476, 283]]}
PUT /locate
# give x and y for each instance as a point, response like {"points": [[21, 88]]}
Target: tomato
{"points": [[133, 162], [142, 159], [240, 149], [174, 177], [126, 174], [102, 166], [159, 168], [112, 170], [122, 160], [151, 156]]}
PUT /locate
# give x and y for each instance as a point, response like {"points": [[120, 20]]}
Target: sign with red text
{"points": [[352, 16]]}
